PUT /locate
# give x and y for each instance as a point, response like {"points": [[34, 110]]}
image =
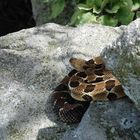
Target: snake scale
{"points": [[88, 81]]}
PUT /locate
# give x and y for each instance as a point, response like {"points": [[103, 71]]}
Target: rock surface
{"points": [[33, 61], [117, 120], [123, 56]]}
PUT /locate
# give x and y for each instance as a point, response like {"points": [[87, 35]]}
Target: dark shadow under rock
{"points": [[57, 131]]}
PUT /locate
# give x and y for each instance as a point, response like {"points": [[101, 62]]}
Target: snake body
{"points": [[88, 81]]}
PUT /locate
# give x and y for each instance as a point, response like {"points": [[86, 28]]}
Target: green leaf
{"points": [[108, 20], [125, 15], [136, 5], [76, 17], [98, 3], [87, 18], [112, 2], [114, 9], [127, 3], [104, 3], [107, 12], [84, 7], [90, 3], [96, 10], [57, 8]]}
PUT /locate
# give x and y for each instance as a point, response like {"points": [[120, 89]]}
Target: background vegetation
{"points": [[106, 12]]}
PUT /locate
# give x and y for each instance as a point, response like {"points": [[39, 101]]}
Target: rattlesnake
{"points": [[88, 81]]}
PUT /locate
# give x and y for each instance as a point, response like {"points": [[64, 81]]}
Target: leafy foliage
{"points": [[106, 12], [57, 7]]}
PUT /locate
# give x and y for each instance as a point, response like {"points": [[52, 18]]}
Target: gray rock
{"points": [[123, 57], [116, 120], [33, 61]]}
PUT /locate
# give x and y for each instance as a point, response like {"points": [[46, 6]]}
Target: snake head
{"points": [[81, 64]]}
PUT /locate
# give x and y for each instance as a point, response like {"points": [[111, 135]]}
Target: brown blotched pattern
{"points": [[89, 80]]}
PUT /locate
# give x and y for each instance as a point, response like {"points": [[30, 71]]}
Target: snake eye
{"points": [[90, 62], [74, 84], [112, 96]]}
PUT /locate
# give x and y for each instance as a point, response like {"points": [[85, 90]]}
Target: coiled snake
{"points": [[88, 81]]}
